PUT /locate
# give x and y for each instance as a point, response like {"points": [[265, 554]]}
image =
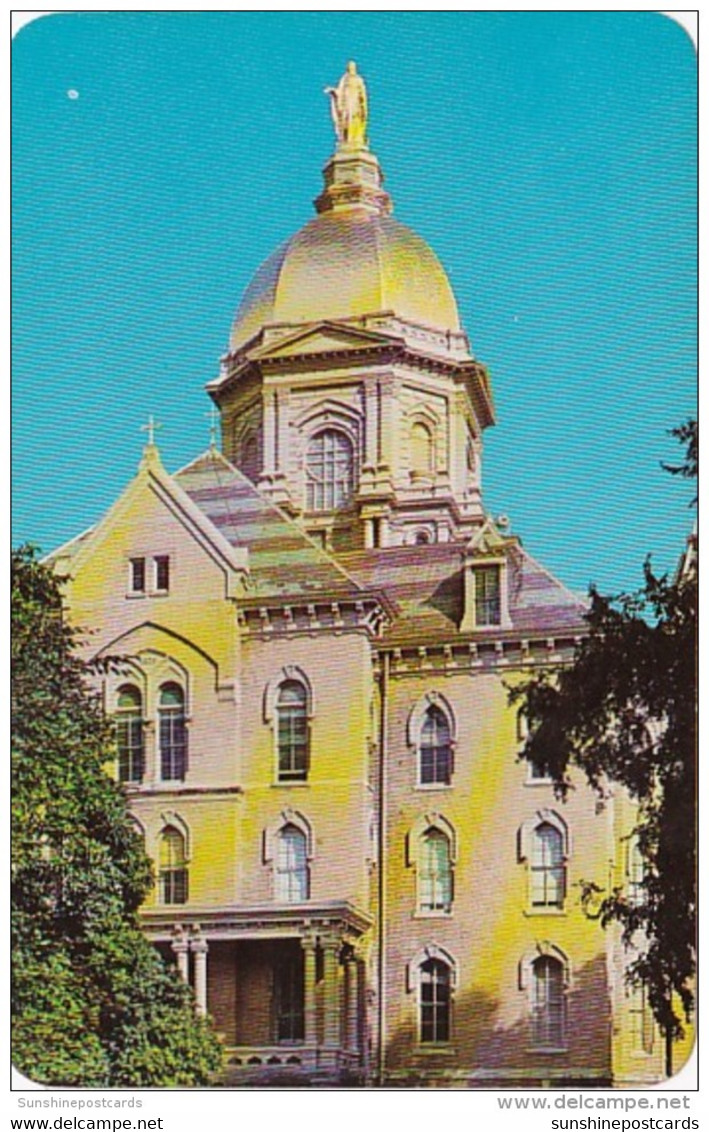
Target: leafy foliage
{"points": [[93, 1002], [688, 435], [625, 712]]}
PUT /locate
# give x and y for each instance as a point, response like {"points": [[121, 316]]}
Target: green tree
{"points": [[625, 712], [93, 1003]]}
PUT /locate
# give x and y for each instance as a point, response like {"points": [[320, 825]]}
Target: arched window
{"points": [[548, 869], [172, 733], [421, 448], [435, 750], [292, 880], [435, 872], [548, 1003], [173, 867], [329, 470], [129, 735], [292, 723], [435, 1001]]}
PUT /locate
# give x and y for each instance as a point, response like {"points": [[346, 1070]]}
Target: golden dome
{"points": [[351, 260]]}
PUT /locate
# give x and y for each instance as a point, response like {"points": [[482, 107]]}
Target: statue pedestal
{"points": [[353, 176]]}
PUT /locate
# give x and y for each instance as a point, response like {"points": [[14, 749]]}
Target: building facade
{"points": [[320, 627]]}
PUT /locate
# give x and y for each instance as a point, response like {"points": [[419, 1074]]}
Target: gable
{"points": [[323, 338], [154, 519], [488, 542]]}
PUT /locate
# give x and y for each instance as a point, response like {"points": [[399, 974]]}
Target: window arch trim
{"points": [[272, 832], [329, 413], [170, 818], [418, 713], [527, 830], [435, 821], [430, 951], [543, 949], [423, 414], [285, 674], [130, 674]]}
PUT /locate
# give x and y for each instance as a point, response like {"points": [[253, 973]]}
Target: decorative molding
{"points": [[417, 715], [170, 818], [430, 951]]}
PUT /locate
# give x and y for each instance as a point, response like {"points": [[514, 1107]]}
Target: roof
{"points": [[422, 587], [425, 583], [283, 560], [346, 264]]}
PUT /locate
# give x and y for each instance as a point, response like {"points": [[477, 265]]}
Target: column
{"points": [[152, 750], [371, 427], [309, 1012], [282, 415], [269, 435], [200, 947], [351, 1003], [181, 947], [331, 1021]]}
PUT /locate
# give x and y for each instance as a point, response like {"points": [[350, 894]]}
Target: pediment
{"points": [[487, 542], [323, 338], [154, 505]]}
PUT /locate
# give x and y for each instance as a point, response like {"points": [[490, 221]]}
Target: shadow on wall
{"points": [[506, 1054]]}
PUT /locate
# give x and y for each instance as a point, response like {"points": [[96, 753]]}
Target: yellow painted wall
{"points": [[336, 800], [492, 925]]}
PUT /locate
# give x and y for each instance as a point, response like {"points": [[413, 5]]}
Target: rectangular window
{"points": [[548, 1009], [547, 867], [292, 745], [435, 1003], [137, 575], [548, 882], [162, 573], [435, 873], [173, 744], [173, 884], [535, 772], [129, 739], [487, 595]]}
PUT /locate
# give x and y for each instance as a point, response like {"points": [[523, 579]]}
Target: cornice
{"points": [[331, 919], [482, 654], [267, 618]]}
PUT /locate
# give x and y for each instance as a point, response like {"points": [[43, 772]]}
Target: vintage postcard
{"points": [[354, 386]]}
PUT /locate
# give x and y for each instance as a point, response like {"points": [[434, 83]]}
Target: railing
{"points": [[288, 1057], [285, 1056]]}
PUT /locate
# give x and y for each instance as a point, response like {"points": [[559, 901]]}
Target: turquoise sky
{"points": [[549, 158]]}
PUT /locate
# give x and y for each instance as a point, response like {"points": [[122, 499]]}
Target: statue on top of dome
{"points": [[348, 105]]}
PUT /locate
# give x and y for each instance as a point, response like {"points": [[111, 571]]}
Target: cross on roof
{"points": [[151, 428], [213, 417]]}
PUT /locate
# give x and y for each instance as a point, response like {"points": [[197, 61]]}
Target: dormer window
{"points": [[487, 566], [487, 595]]}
